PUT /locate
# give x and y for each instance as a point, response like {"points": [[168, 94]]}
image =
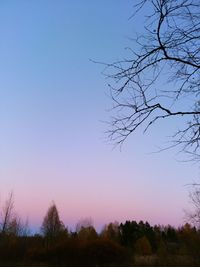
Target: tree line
{"points": [[118, 244]]}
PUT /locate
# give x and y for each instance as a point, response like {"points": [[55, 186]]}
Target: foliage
{"points": [[111, 232], [127, 244], [143, 246]]}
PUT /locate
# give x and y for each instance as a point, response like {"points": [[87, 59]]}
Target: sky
{"points": [[53, 105]]}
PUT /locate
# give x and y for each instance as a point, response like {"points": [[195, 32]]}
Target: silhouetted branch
{"points": [[169, 52]]}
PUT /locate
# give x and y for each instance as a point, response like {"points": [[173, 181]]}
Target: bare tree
{"points": [[7, 214], [11, 224], [18, 227], [160, 79], [84, 223], [52, 226], [194, 215]]}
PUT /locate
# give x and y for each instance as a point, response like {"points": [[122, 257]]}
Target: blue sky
{"points": [[53, 100]]}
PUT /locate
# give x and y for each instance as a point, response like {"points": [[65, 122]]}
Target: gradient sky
{"points": [[53, 100]]}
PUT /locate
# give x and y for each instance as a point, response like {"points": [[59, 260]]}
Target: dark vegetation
{"points": [[126, 244]]}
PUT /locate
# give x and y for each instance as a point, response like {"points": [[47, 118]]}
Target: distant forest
{"points": [[118, 244]]}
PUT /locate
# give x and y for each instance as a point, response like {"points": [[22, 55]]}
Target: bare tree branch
{"points": [[167, 53]]}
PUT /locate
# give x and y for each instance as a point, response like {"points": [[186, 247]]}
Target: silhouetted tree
{"points": [[84, 223], [52, 226], [160, 79], [17, 227], [7, 214], [190, 240], [111, 232], [194, 214], [87, 233], [11, 224], [85, 230], [129, 233]]}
